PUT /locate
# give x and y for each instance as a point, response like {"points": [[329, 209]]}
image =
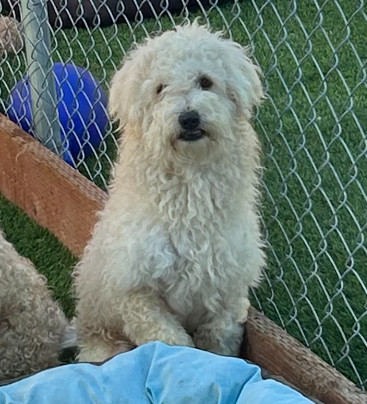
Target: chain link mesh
{"points": [[312, 126]]}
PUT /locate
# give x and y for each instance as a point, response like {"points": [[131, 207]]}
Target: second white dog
{"points": [[178, 244]]}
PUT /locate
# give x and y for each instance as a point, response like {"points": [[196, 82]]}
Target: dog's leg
{"points": [[222, 336], [146, 317], [96, 349], [223, 333]]}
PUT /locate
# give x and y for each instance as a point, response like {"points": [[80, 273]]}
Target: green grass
{"points": [[314, 142], [50, 257]]}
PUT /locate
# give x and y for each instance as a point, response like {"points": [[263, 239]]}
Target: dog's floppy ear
{"points": [[244, 85], [120, 93], [125, 88]]}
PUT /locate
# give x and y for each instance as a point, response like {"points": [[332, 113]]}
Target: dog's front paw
{"points": [[220, 338], [229, 347], [181, 339]]}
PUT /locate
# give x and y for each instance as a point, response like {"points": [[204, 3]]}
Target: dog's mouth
{"points": [[192, 135]]}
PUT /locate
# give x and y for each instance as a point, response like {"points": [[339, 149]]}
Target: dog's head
{"points": [[185, 92]]}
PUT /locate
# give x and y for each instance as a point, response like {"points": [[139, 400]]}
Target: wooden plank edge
{"points": [[50, 191], [65, 202], [273, 349]]}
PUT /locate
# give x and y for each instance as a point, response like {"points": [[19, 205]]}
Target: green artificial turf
{"points": [[50, 257], [312, 127]]}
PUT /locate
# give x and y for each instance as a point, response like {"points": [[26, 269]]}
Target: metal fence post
{"points": [[40, 72]]}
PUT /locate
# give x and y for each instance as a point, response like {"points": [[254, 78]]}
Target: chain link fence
{"points": [[313, 129]]}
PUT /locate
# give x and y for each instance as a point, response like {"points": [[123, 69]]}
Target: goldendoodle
{"points": [[33, 327], [178, 243]]}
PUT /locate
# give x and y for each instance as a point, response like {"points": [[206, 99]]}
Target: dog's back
{"points": [[32, 324]]}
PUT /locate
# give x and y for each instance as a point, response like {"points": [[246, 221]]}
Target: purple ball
{"points": [[82, 109]]}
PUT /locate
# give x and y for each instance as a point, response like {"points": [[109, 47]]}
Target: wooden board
{"points": [[63, 201], [272, 348], [49, 190]]}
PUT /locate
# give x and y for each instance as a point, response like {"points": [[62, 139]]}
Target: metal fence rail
{"points": [[313, 128]]}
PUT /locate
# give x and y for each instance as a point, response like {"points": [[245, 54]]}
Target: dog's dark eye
{"points": [[159, 88], [205, 83]]}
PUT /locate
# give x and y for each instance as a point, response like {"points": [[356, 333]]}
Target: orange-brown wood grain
{"points": [[49, 190]]}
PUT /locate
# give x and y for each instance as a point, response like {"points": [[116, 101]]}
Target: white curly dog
{"points": [[33, 328], [178, 244]]}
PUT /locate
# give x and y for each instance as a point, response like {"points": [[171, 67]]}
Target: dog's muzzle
{"points": [[190, 123]]}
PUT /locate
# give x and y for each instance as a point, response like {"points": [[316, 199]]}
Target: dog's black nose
{"points": [[189, 120]]}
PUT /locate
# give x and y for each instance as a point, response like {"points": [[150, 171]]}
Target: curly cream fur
{"points": [[11, 40], [32, 325], [178, 243]]}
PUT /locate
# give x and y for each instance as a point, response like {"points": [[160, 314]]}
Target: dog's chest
{"points": [[200, 274], [196, 219]]}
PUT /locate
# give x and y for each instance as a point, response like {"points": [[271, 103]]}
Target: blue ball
{"points": [[82, 109]]}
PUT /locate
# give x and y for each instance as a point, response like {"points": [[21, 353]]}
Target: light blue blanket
{"points": [[153, 374]]}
